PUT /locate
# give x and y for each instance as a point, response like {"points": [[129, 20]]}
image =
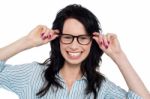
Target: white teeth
{"points": [[74, 54]]}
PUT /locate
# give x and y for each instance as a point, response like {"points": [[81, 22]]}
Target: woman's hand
{"points": [[38, 36], [108, 43], [41, 35]]}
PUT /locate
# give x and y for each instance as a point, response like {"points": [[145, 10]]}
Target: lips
{"points": [[74, 55]]}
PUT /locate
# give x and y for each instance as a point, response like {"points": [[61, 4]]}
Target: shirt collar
{"points": [[61, 78]]}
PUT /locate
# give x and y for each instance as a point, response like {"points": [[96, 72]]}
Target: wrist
{"points": [[118, 56], [27, 42]]}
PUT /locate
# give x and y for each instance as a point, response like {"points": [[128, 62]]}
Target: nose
{"points": [[74, 45]]}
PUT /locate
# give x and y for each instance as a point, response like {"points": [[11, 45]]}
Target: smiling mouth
{"points": [[74, 55]]}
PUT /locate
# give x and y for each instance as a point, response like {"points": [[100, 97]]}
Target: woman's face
{"points": [[74, 53]]}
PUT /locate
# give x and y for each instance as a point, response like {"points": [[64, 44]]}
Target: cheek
{"points": [[62, 49], [88, 48]]}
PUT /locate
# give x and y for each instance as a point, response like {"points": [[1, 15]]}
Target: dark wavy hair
{"points": [[89, 67]]}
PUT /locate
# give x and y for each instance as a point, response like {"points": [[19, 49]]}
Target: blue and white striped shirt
{"points": [[26, 80]]}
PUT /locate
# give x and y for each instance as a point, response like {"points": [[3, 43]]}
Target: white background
{"points": [[129, 19]]}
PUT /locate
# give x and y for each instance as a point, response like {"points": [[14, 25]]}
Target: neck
{"points": [[71, 72]]}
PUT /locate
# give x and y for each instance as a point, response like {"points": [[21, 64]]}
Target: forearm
{"points": [[38, 36], [14, 48], [132, 79]]}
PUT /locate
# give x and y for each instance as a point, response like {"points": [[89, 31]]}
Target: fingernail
{"points": [[106, 46], [44, 37], [42, 34], [101, 42], [49, 36]]}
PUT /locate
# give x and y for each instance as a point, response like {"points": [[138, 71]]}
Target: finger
{"points": [[46, 34], [112, 37], [108, 36], [101, 39], [43, 28], [56, 31], [40, 27], [53, 37], [50, 38], [47, 31], [105, 41], [96, 34], [52, 34], [37, 30], [96, 37]]}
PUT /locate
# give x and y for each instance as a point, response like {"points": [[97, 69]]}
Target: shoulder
{"points": [[110, 89], [109, 85], [17, 77], [21, 72], [23, 67]]}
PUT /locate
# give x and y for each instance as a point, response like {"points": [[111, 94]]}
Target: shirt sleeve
{"points": [[2, 65], [112, 91], [15, 77]]}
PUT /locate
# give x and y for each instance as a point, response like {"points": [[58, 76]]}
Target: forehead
{"points": [[73, 27]]}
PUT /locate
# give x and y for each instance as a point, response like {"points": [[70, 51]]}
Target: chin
{"points": [[73, 62]]}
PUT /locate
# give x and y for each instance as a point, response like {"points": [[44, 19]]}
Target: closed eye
{"points": [[67, 37], [84, 37]]}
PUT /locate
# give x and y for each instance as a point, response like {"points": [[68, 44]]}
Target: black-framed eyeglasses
{"points": [[82, 39]]}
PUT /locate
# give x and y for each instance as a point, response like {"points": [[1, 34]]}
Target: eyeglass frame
{"points": [[73, 37]]}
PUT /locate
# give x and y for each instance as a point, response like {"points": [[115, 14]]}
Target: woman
{"points": [[71, 72]]}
